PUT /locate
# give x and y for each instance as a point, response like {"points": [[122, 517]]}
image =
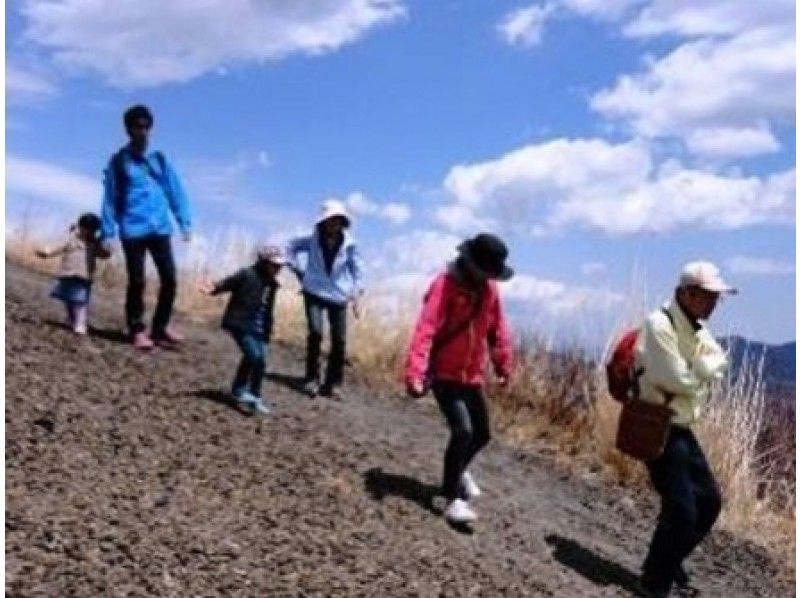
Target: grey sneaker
{"points": [[245, 399], [262, 407], [333, 392], [311, 388]]}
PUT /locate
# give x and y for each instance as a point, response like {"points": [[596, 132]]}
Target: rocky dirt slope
{"points": [[131, 475]]}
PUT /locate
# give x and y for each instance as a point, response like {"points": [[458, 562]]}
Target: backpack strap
{"points": [[637, 372], [668, 396], [120, 177]]}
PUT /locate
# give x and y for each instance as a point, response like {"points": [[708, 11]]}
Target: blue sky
{"points": [[607, 141]]}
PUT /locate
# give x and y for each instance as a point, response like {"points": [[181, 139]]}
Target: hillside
{"points": [[130, 475]]}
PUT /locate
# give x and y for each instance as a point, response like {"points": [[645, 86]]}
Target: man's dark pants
{"points": [[690, 503], [337, 319], [160, 250]]}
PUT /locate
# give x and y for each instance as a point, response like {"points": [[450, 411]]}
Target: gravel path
{"points": [[131, 475]]}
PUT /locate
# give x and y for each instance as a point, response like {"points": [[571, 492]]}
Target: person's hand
{"points": [[415, 389], [206, 287], [502, 381]]}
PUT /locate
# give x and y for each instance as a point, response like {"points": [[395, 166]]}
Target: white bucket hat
{"points": [[704, 275], [333, 208]]}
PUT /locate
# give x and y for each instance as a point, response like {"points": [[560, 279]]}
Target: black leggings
{"points": [[464, 408]]}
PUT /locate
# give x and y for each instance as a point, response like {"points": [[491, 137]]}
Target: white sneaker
{"points": [[459, 511], [470, 487]]}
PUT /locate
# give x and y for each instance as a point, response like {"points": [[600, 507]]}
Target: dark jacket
{"points": [[249, 291]]}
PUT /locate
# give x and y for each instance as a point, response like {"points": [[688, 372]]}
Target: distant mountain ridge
{"points": [[780, 366]]}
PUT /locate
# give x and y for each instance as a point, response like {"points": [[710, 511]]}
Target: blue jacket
{"points": [[150, 194], [345, 281]]}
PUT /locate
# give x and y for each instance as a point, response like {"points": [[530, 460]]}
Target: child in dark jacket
{"points": [[248, 318]]}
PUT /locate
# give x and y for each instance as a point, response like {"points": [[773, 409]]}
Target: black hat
{"points": [[487, 253]]}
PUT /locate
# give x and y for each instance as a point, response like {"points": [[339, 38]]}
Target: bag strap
{"points": [[121, 176], [637, 373], [445, 339]]}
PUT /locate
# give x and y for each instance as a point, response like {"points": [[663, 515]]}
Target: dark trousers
{"points": [[464, 408], [250, 372], [337, 319], [160, 250], [690, 503]]}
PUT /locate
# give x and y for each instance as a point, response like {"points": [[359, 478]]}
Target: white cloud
{"points": [[524, 26], [393, 212], [684, 199], [403, 267], [614, 188], [25, 85], [600, 9], [725, 142], [557, 298], [264, 159], [149, 42], [759, 266], [593, 268], [722, 90], [709, 17], [420, 251], [735, 83], [29, 179]]}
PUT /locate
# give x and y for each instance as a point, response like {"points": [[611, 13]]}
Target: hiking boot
{"points": [[311, 388], [167, 337], [471, 489], [142, 342], [458, 511], [332, 391]]}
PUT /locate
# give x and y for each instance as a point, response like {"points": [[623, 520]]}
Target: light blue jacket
{"points": [[345, 281], [145, 209]]}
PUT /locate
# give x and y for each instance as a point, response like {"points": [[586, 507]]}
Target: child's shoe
{"points": [[262, 407], [142, 342], [167, 338], [79, 325], [311, 387]]}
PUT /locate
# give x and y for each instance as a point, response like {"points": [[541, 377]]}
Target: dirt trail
{"points": [[130, 475]]}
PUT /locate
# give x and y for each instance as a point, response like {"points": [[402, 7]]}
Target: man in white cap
{"points": [[679, 360], [331, 278]]}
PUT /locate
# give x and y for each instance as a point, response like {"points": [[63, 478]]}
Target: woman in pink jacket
{"points": [[461, 319]]}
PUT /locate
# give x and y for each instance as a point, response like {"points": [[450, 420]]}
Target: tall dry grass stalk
{"points": [[556, 397]]}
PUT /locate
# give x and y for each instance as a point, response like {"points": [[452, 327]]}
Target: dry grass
{"points": [[556, 398]]}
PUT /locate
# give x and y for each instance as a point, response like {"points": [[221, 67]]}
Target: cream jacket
{"points": [[77, 257], [678, 361]]}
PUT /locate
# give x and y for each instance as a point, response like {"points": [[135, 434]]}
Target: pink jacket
{"points": [[447, 305]]}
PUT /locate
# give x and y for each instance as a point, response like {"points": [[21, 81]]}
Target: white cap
{"points": [[706, 276], [331, 208]]}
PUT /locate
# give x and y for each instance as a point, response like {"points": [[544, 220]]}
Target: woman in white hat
{"points": [[331, 278]]}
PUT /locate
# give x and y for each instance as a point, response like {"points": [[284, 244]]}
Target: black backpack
{"points": [[121, 179]]}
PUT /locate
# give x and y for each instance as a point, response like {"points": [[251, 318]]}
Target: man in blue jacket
{"points": [[140, 191]]}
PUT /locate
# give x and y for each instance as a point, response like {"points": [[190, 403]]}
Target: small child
{"points": [[248, 318], [76, 271]]}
